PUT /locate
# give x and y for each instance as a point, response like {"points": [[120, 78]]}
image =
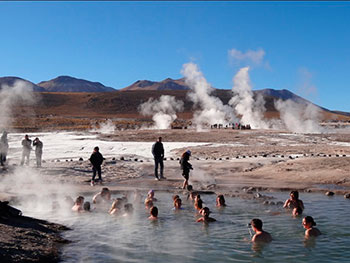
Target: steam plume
{"points": [[299, 118], [163, 110], [21, 93], [252, 112], [211, 109]]}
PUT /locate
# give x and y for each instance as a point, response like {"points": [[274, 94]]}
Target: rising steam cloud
{"points": [[210, 108], [20, 93], [250, 110], [163, 110], [299, 118]]}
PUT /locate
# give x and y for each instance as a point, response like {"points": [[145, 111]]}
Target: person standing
{"points": [[158, 154], [4, 146], [27, 147], [186, 167], [38, 151], [96, 160]]}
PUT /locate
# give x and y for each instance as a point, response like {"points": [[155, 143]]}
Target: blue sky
{"points": [[304, 46]]}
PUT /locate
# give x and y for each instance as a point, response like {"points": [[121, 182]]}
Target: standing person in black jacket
{"points": [[96, 160], [186, 167], [158, 154]]}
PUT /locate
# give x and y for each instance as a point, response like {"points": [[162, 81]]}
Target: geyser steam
{"points": [[163, 110], [21, 93], [250, 110], [210, 109], [298, 117]]}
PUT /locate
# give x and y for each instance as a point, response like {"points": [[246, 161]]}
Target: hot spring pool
{"points": [[176, 237]]}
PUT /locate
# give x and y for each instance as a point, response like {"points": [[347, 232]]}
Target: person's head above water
{"points": [[150, 193], [220, 200], [105, 193], [294, 195], [79, 200], [177, 203], [87, 206], [308, 222], [257, 224], [154, 211]]}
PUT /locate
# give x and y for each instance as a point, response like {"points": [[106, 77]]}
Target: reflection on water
{"points": [[176, 237]]}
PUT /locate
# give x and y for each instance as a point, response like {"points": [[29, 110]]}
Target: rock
{"points": [[122, 158], [255, 156], [57, 160], [81, 159], [279, 203], [66, 160], [258, 195], [237, 157], [265, 155], [329, 193], [136, 159], [282, 156], [141, 161], [266, 202], [253, 189], [347, 196], [71, 160], [220, 159], [272, 203], [227, 158], [243, 156], [178, 159], [171, 158], [164, 159], [113, 159], [307, 191], [197, 159]]}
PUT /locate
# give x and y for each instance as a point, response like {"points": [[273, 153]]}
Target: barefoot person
{"points": [[311, 231], [186, 167], [38, 151], [96, 159], [158, 154], [26, 149], [260, 236]]}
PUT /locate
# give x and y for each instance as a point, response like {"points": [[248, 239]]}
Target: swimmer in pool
{"points": [[260, 236], [293, 201], [116, 207], [87, 207], [205, 216], [297, 211], [198, 202], [78, 205], [153, 213], [311, 231], [220, 201], [148, 203], [150, 196], [177, 204], [128, 209], [102, 197]]}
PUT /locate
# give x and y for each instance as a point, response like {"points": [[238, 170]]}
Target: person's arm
{"points": [[153, 146], [301, 204], [286, 203]]}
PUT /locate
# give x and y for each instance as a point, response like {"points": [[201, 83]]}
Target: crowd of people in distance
{"points": [[103, 202]]}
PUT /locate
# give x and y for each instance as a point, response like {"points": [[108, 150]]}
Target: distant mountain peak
{"points": [[166, 84], [10, 81], [71, 84]]}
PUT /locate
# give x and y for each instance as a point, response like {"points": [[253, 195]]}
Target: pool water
{"points": [[176, 237]]}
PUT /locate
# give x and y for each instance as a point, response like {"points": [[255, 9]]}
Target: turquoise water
{"points": [[176, 237]]}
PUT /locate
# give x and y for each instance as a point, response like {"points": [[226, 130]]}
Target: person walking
{"points": [[158, 154], [38, 151], [4, 146], [26, 149], [96, 159]]}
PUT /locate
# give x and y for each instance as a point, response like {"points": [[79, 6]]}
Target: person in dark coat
{"points": [[38, 151], [26, 149], [158, 154], [186, 167], [4, 146], [96, 159]]}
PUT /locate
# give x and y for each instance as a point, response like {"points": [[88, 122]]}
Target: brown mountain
{"points": [[10, 81], [167, 84], [70, 84]]}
